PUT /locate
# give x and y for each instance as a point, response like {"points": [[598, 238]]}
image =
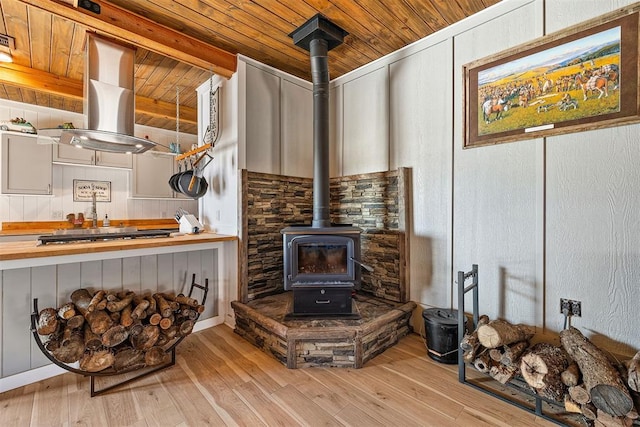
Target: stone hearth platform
{"points": [[326, 341]]}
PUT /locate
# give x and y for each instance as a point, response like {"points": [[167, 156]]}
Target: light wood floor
{"points": [[220, 379]]}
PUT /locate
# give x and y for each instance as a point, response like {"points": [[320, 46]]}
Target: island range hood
{"points": [[109, 102]]}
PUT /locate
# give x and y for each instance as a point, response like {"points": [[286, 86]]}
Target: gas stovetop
{"points": [[67, 238]]}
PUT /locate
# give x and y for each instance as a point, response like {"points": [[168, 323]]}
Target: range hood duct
{"points": [[109, 101], [319, 35]]}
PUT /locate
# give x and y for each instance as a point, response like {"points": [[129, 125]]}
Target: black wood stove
{"points": [[322, 260]]}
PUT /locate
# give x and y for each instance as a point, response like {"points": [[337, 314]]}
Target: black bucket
{"points": [[441, 326]]}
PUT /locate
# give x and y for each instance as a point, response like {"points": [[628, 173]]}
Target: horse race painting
{"points": [[584, 77]]}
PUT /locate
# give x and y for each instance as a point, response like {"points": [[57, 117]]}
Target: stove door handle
{"points": [[326, 301], [365, 266]]}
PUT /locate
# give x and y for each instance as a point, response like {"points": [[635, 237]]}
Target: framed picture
{"points": [[83, 190], [581, 78]]}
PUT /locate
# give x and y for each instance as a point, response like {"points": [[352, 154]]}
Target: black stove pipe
{"points": [[320, 78], [319, 35]]}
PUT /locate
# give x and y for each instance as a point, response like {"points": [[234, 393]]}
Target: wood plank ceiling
{"points": [[49, 53]]}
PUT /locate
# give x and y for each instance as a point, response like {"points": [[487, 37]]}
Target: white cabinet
{"points": [[150, 175], [26, 165], [81, 156]]}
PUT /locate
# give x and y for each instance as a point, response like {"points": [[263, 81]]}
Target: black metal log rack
{"points": [[169, 348], [517, 384]]}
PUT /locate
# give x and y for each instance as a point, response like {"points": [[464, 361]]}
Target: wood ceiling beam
{"points": [[121, 24], [42, 81]]}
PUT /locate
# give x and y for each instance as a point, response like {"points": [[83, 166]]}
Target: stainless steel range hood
{"points": [[109, 102]]}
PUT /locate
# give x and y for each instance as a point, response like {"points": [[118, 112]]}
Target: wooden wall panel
{"points": [[297, 130]]}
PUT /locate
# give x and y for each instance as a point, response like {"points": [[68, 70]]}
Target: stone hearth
{"points": [[328, 342]]}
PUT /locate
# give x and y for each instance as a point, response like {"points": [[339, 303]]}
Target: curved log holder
{"points": [[169, 348]]}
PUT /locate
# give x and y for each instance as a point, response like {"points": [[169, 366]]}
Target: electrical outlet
{"points": [[570, 307]]}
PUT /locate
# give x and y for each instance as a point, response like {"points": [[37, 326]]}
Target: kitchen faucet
{"points": [[94, 211]]}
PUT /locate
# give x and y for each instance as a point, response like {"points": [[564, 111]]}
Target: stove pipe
{"points": [[319, 35]]}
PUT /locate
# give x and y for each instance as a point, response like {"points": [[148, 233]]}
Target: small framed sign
{"points": [[83, 190]]}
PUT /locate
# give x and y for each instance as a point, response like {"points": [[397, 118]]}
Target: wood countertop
{"points": [[30, 249]]}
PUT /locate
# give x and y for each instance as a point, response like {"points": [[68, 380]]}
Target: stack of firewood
{"points": [[118, 330], [576, 374]]}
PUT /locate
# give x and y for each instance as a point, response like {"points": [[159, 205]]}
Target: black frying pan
{"points": [[192, 185]]}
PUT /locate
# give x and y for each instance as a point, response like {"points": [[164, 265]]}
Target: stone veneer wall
{"points": [[375, 202]]}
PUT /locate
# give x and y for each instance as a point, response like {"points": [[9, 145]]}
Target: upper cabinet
{"points": [[151, 173], [81, 156], [26, 165]]}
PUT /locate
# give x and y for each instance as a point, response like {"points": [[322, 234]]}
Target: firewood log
{"points": [[633, 414], [166, 322], [95, 300], [67, 311], [126, 316], [469, 343], [72, 350], [128, 359], [171, 333], [152, 305], [483, 362], [500, 332], [589, 411], [121, 304], [571, 405], [145, 339], [185, 327], [47, 321], [189, 313], [111, 296], [139, 312], [512, 353], [155, 319], [155, 356], [182, 299], [115, 316], [579, 394], [136, 328], [114, 336], [96, 361], [162, 340], [571, 376], [602, 381], [541, 367], [496, 354], [502, 373], [91, 341], [52, 343], [99, 321], [633, 373], [81, 299], [163, 306], [607, 420], [76, 322]]}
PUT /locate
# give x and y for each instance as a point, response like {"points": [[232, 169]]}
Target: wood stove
{"points": [[322, 268], [321, 261]]}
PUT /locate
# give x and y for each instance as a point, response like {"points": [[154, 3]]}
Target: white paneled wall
{"points": [[420, 139], [56, 206]]}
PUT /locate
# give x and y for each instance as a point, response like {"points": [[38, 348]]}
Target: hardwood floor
{"points": [[220, 379]]}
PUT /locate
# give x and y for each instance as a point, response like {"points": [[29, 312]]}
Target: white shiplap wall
{"points": [[56, 206]]}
